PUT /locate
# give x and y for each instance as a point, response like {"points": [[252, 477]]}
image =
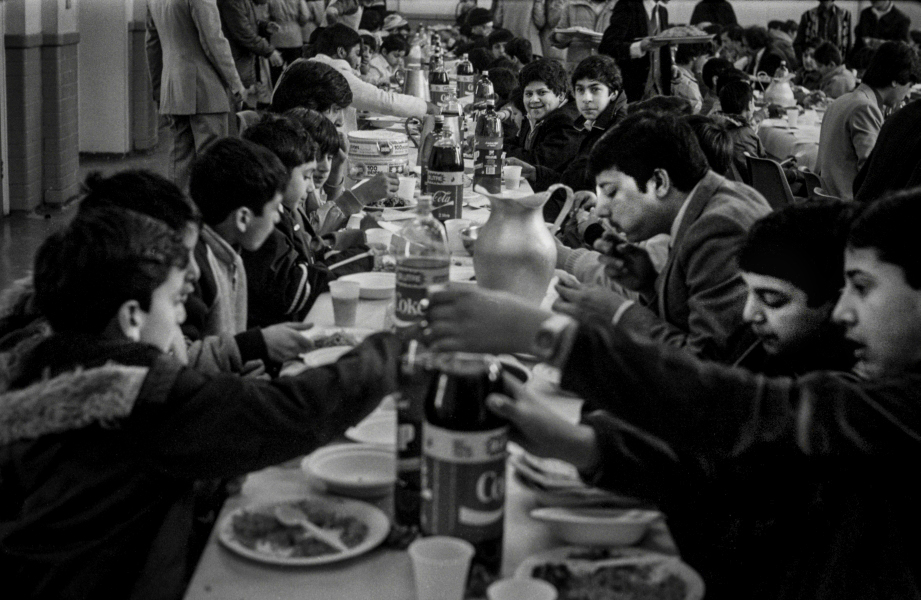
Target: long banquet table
{"points": [[383, 573], [781, 141]]}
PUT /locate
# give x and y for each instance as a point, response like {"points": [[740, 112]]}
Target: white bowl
{"points": [[374, 285], [597, 526], [357, 470]]}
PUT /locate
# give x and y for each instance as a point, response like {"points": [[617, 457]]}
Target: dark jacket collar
{"points": [[614, 112]]}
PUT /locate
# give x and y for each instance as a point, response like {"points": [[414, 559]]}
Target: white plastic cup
{"points": [[521, 589], [345, 302], [792, 116], [511, 177], [378, 239], [440, 566], [453, 227], [407, 188]]}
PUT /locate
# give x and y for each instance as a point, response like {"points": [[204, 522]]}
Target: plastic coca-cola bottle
{"points": [[463, 459], [445, 178], [465, 77], [439, 84], [423, 261], [487, 151]]}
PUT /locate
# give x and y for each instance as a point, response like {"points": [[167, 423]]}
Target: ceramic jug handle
{"points": [[567, 205], [409, 133]]}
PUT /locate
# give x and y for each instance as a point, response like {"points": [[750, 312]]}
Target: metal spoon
{"points": [[292, 516]]}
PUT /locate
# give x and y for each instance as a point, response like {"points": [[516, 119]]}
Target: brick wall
{"points": [[60, 128], [24, 119]]}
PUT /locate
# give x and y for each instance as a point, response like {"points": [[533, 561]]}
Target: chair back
{"points": [[820, 194], [768, 178], [813, 183]]}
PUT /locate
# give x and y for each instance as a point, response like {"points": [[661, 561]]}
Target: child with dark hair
{"points": [[389, 60], [548, 140], [837, 80], [684, 79], [312, 85], [738, 105], [663, 105], [497, 41], [480, 58], [282, 278], [715, 141], [505, 84], [293, 267], [520, 52], [710, 73], [793, 265], [238, 187], [114, 434]]}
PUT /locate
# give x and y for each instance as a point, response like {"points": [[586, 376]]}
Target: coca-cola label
{"points": [[487, 164], [447, 190], [463, 482], [414, 275], [439, 92], [464, 85]]}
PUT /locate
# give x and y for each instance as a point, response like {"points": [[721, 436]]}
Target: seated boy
{"points": [[843, 442], [837, 79], [314, 85], [548, 139], [237, 186], [738, 105], [103, 435], [288, 272], [389, 60], [792, 262]]}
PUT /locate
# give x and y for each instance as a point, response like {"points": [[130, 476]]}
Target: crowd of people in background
{"points": [[749, 368]]}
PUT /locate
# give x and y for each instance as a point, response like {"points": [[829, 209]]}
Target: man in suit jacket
{"points": [[895, 163], [192, 73], [852, 122], [633, 20], [653, 178]]}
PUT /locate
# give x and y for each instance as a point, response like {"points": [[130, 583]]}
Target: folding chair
{"points": [[813, 183], [820, 194], [768, 178]]}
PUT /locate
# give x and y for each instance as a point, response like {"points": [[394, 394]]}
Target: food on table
{"points": [[612, 582], [336, 338], [261, 531], [394, 202]]}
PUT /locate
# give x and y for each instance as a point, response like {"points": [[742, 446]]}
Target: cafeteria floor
{"points": [[21, 233]]}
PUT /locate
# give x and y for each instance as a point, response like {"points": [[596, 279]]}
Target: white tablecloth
{"points": [[780, 141]]}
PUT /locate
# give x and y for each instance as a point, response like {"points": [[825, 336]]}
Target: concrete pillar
{"points": [[104, 90], [144, 117], [23, 41], [60, 135]]}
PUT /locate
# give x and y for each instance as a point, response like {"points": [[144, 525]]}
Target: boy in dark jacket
{"points": [[548, 139], [102, 435]]}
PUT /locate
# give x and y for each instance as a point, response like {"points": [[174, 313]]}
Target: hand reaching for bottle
{"points": [[541, 431]]}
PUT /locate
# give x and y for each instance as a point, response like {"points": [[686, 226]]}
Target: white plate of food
{"points": [[395, 203], [383, 122], [587, 572], [597, 526], [323, 356], [327, 337], [359, 470], [375, 285], [256, 532], [379, 428]]}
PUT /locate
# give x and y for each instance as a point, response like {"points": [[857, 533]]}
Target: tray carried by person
{"points": [[682, 34], [580, 31]]}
